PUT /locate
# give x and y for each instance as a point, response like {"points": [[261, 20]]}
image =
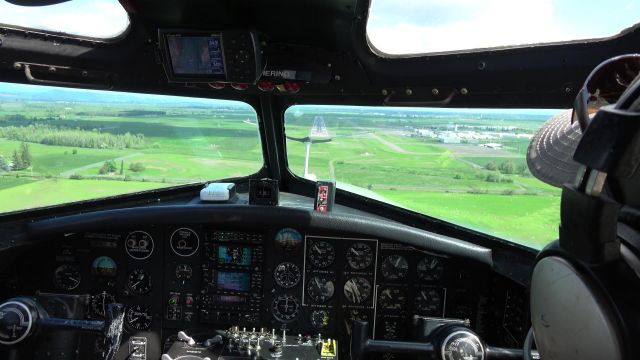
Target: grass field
{"points": [[370, 152]]}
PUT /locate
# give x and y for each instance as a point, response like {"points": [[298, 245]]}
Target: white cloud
{"points": [[494, 23], [92, 18]]}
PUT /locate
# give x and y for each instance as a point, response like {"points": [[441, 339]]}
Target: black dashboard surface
{"points": [[197, 268]]}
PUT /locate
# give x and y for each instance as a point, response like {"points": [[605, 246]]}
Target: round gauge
{"points": [[139, 282], [359, 256], [320, 288], [462, 345], [104, 266], [288, 239], [429, 302], [138, 317], [319, 319], [16, 322], [285, 307], [184, 242], [321, 254], [139, 245], [392, 298], [287, 275], [184, 272], [99, 303], [430, 268], [357, 289], [66, 277], [394, 267]]}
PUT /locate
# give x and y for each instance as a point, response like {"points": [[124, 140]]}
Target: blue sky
{"points": [[415, 26]]}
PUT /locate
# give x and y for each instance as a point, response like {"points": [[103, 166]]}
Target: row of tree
{"points": [[20, 159], [62, 136], [506, 167], [110, 167]]}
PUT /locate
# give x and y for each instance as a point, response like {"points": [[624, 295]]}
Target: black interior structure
{"points": [[167, 245]]}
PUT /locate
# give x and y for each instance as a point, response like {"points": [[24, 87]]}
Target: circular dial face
{"points": [[320, 319], [462, 345], [99, 303], [138, 317], [287, 275], [288, 239], [184, 272], [66, 277], [394, 267], [322, 254], [357, 289], [359, 256], [139, 245], [320, 288], [15, 322], [139, 281], [285, 307], [430, 268], [184, 242], [392, 298], [104, 266], [429, 302]]}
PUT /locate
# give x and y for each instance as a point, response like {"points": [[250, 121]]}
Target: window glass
{"points": [[62, 145], [101, 19], [463, 166], [430, 26]]}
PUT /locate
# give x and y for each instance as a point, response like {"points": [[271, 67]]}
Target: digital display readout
{"points": [[230, 299], [196, 55], [234, 281], [234, 255]]}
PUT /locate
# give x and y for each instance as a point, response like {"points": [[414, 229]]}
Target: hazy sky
{"points": [[414, 26], [395, 26], [93, 18]]}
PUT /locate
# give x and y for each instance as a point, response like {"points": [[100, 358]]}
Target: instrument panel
{"points": [[196, 277]]}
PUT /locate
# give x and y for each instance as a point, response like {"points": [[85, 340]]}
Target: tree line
{"points": [[51, 135], [20, 159]]}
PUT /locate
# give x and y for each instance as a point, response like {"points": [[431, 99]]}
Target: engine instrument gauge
{"points": [[184, 272], [139, 317], [320, 319], [359, 256], [392, 298], [184, 242], [285, 307], [287, 275], [139, 245], [357, 289], [99, 303], [394, 267], [321, 254], [429, 302], [430, 269], [320, 288], [66, 277], [139, 282]]}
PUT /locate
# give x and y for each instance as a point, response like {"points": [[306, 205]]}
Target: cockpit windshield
{"points": [[466, 166], [62, 145]]}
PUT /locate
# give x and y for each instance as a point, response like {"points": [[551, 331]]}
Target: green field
{"points": [[371, 152]]}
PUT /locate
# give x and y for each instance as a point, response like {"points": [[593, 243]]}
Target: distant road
{"points": [[389, 144], [81, 168]]}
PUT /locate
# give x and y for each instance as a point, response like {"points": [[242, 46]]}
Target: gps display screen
{"points": [[196, 55]]}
